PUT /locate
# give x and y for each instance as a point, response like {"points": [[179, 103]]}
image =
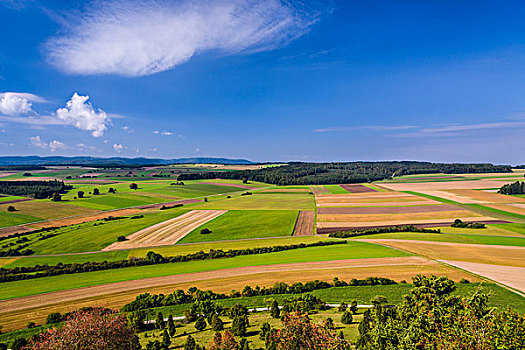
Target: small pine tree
{"points": [[166, 342], [329, 323], [239, 325], [159, 321], [243, 344], [265, 329], [171, 326], [274, 309], [347, 318], [353, 307], [216, 323], [342, 307], [200, 325]]}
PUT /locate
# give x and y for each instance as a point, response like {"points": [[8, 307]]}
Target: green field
{"points": [[264, 201], [518, 228], [243, 224], [336, 189], [179, 249], [89, 238], [15, 218], [352, 250]]}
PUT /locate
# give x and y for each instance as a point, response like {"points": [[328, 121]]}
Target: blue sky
{"points": [[264, 80]]}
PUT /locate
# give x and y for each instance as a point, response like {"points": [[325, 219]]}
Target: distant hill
{"points": [[57, 160]]}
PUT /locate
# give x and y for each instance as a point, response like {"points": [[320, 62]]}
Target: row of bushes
{"points": [[152, 258], [147, 301], [377, 230]]}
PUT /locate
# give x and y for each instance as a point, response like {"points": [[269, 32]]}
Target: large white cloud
{"points": [[134, 37], [17, 103], [81, 114]]}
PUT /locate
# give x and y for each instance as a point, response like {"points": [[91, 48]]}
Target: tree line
{"points": [[297, 173], [36, 189], [376, 230], [513, 188], [147, 301], [152, 258]]}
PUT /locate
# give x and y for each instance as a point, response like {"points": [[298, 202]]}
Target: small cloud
{"points": [[128, 129], [36, 141], [197, 149], [81, 114], [118, 147], [368, 127], [83, 146], [17, 103], [181, 137], [165, 133]]}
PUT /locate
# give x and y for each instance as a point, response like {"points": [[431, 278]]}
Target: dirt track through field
{"points": [[304, 225], [167, 232], [80, 293], [511, 276]]}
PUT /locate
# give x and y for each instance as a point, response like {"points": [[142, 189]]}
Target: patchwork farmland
{"points": [[222, 234]]}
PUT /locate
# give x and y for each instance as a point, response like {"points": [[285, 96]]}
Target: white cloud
{"points": [[36, 141], [134, 38], [118, 147], [81, 114], [369, 127], [165, 133], [54, 145], [17, 103]]}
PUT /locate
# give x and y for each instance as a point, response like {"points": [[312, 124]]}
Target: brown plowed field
{"points": [[376, 204], [167, 232], [388, 210], [354, 188], [304, 225], [508, 207]]}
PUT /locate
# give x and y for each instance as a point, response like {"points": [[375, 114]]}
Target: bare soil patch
{"points": [[319, 189], [355, 188], [304, 225], [167, 232]]}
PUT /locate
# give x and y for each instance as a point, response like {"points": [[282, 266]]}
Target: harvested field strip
{"points": [[336, 189], [285, 190], [352, 250], [378, 195], [168, 232], [228, 184], [377, 204], [476, 253], [389, 210], [511, 276], [357, 188], [448, 185], [319, 189], [304, 226], [327, 227], [406, 215], [224, 283], [16, 200], [488, 197], [497, 213], [451, 196], [516, 209], [51, 298]]}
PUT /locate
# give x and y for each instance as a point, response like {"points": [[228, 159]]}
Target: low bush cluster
{"points": [[377, 230]]}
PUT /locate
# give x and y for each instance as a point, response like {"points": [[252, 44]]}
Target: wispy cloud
{"points": [[164, 133], [135, 38], [368, 127], [459, 129], [54, 145]]}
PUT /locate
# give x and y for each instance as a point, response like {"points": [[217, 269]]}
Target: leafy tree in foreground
{"points": [[299, 332], [431, 318], [225, 341], [166, 341], [80, 194], [133, 186], [200, 325], [346, 317], [239, 325], [274, 309], [95, 328], [159, 321], [216, 323], [11, 209]]}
